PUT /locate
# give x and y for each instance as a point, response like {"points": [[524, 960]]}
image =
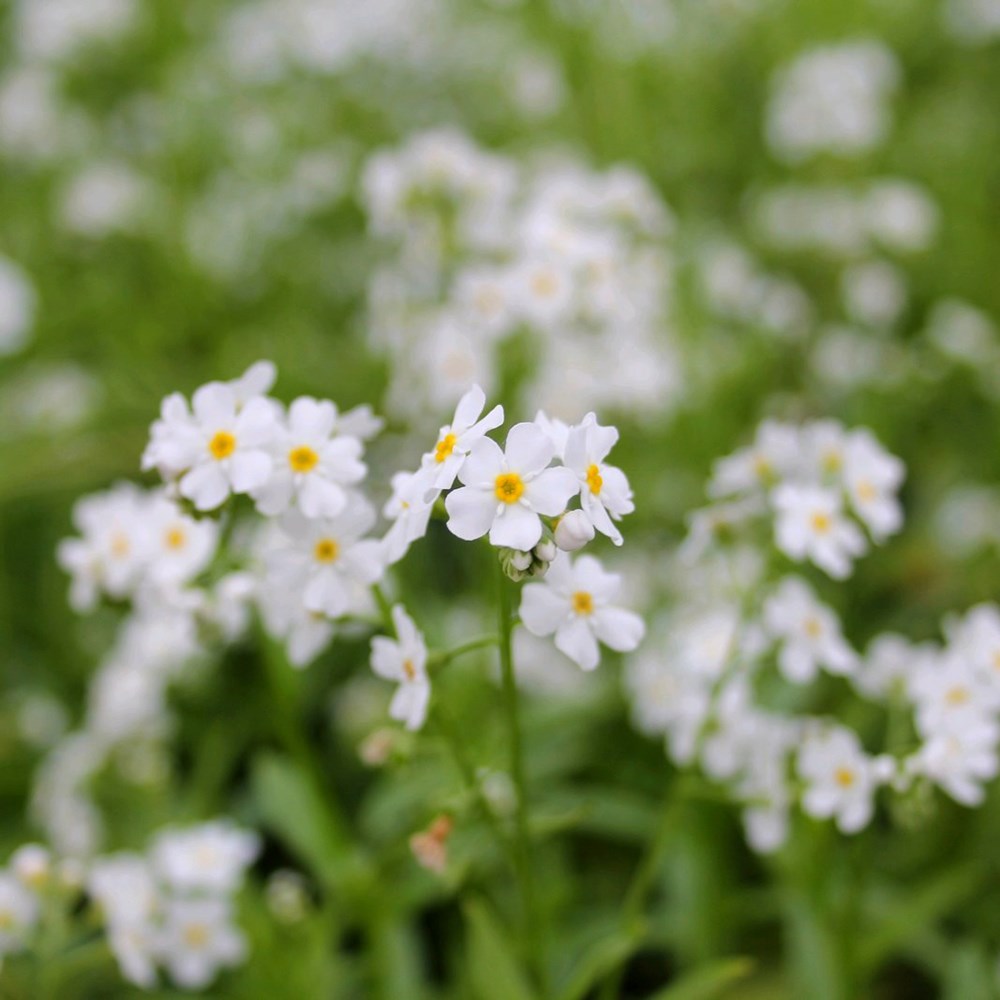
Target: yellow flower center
{"points": [[175, 538], [509, 487], [813, 628], [866, 492], [444, 448], [120, 545], [196, 935], [7, 921], [222, 445], [958, 695], [833, 461], [303, 459], [409, 670], [544, 284], [844, 777], [594, 480], [821, 523], [583, 603], [762, 467], [326, 550]]}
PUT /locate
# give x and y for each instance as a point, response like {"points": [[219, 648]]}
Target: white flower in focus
{"points": [[456, 440], [211, 857], [808, 631], [19, 912], [840, 778], [810, 524], [574, 604], [604, 490], [504, 492], [198, 939], [327, 559], [404, 661], [409, 508], [313, 464]]}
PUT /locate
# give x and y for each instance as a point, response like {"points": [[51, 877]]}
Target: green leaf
{"points": [[601, 961], [495, 972], [708, 982], [294, 810]]}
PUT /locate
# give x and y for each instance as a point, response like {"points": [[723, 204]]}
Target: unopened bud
{"points": [[430, 847], [573, 531], [546, 550], [520, 560]]}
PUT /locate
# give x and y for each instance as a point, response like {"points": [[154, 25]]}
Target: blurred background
{"points": [[794, 212]]}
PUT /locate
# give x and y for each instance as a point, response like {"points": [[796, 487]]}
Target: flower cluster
{"points": [[709, 680], [170, 908], [820, 483], [485, 251]]}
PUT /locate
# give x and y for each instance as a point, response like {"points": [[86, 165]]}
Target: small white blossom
{"points": [[504, 492], [313, 463], [456, 440], [604, 491], [809, 633], [575, 604], [409, 508], [404, 661], [811, 525], [197, 939], [840, 778], [211, 857]]}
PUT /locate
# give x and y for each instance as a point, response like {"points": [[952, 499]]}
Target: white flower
{"points": [[976, 639], [305, 633], [211, 857], [179, 546], [840, 778], [327, 558], [809, 633], [32, 865], [891, 663], [456, 440], [19, 912], [604, 490], [556, 429], [774, 455], [17, 307], [409, 508], [221, 449], [872, 478], [504, 492], [112, 553], [312, 463], [960, 762], [123, 886], [404, 660], [953, 698], [198, 939], [811, 525], [573, 530], [574, 603]]}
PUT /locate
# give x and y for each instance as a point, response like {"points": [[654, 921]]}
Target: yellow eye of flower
{"points": [[7, 921], [196, 935], [222, 445], [444, 448], [957, 696], [866, 492], [844, 777], [176, 538], [833, 461], [303, 459], [326, 550], [583, 603], [120, 545], [594, 480], [813, 628], [509, 487], [821, 523], [409, 670]]}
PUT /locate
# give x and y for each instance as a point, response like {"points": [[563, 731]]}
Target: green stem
{"points": [[447, 655], [384, 606], [532, 920]]}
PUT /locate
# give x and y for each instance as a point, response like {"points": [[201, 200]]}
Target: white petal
{"points": [[248, 470], [482, 466], [516, 527], [468, 409], [470, 512], [542, 609], [528, 449], [578, 643], [549, 492], [205, 485], [619, 629]]}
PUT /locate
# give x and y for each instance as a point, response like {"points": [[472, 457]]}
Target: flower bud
{"points": [[520, 560], [573, 531], [545, 550]]}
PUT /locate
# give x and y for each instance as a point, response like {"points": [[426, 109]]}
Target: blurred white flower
{"points": [[840, 778], [17, 307], [403, 660], [811, 524]]}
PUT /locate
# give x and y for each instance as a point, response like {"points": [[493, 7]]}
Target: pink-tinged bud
{"points": [[573, 531], [430, 848]]}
